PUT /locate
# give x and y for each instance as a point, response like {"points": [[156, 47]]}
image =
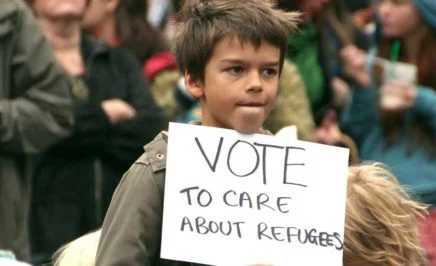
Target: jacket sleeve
{"points": [[91, 130], [360, 115], [425, 107], [127, 139], [39, 111], [292, 105], [91, 118], [131, 230]]}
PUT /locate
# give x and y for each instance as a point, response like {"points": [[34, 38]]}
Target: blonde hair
{"points": [[381, 224], [80, 252]]}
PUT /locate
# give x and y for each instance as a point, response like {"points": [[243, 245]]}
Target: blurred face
{"points": [[311, 8], [58, 9], [240, 85], [398, 18], [95, 15]]}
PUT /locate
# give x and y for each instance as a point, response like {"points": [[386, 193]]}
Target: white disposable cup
{"points": [[396, 72]]}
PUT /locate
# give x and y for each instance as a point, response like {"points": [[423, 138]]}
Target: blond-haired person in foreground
{"points": [[380, 226], [381, 223], [80, 252]]}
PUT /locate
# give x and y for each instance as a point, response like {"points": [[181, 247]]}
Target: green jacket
{"points": [[131, 232], [35, 112]]}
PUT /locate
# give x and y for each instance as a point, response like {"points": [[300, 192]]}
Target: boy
{"points": [[231, 52]]}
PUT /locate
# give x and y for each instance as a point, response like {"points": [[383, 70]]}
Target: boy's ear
{"points": [[193, 86]]}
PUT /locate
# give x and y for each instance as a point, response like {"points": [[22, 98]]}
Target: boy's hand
{"points": [[118, 110], [354, 65]]}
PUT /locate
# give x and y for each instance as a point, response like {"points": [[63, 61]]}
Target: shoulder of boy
{"points": [[155, 153]]}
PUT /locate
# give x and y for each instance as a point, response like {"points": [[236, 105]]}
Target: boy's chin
{"points": [[247, 129]]}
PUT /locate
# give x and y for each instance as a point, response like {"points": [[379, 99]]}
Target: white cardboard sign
{"points": [[233, 199]]}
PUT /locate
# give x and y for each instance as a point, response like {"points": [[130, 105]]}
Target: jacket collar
{"points": [[91, 47]]}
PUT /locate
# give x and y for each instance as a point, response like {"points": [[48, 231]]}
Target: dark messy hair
{"points": [[134, 30], [203, 23]]}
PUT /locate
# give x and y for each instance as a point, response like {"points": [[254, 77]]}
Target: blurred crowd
{"points": [[85, 84]]}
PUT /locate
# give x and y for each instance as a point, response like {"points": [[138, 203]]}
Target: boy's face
{"points": [[240, 85]]}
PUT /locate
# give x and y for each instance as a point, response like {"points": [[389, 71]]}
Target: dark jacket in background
{"points": [[74, 180], [35, 112]]}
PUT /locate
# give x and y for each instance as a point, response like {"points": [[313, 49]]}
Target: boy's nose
{"points": [[254, 82]]}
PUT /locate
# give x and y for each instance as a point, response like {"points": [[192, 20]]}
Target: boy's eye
{"points": [[269, 72], [235, 70]]}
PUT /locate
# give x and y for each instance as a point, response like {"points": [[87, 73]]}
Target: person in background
{"points": [[314, 49], [304, 50], [115, 116], [35, 113], [124, 24], [392, 115]]}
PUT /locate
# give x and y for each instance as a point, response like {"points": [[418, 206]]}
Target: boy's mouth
{"points": [[251, 104]]}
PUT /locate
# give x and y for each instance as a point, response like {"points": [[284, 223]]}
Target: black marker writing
{"points": [[301, 236], [217, 154], [204, 198], [201, 226], [255, 152]]}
